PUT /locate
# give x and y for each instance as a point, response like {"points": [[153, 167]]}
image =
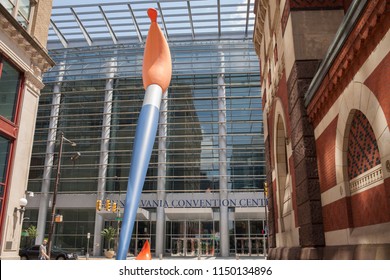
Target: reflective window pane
{"points": [[4, 155], [9, 89]]}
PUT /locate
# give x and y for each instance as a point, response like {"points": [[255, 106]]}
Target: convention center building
{"points": [[203, 193]]}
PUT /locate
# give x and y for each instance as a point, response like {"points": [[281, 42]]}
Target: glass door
{"points": [[243, 246], [193, 238], [177, 247]]}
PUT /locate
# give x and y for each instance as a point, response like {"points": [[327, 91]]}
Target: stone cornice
{"points": [[350, 57], [261, 9], [37, 53], [33, 82]]}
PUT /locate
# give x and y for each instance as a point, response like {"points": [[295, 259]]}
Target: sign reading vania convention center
{"points": [[198, 200], [203, 203]]}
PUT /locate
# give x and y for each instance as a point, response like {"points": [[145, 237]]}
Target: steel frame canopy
{"points": [[124, 22]]}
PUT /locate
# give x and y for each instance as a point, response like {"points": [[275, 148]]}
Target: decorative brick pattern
{"points": [[363, 153]]}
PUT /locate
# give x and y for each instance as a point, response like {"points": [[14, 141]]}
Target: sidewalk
{"points": [[103, 258]]}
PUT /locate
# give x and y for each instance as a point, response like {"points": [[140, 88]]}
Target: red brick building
{"points": [[325, 68]]}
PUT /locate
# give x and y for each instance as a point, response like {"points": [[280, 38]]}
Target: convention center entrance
{"points": [[202, 238], [193, 238]]}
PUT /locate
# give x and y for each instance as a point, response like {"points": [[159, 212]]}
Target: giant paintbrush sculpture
{"points": [[156, 76]]}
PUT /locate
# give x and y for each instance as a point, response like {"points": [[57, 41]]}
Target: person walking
{"points": [[43, 251]]}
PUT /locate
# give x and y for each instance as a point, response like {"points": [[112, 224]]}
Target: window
{"points": [[4, 156], [9, 90], [10, 83], [20, 9]]}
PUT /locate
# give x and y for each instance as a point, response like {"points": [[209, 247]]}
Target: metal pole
{"points": [[88, 237], [53, 206]]}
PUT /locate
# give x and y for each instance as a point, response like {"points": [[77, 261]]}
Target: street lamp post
{"points": [[57, 181]]}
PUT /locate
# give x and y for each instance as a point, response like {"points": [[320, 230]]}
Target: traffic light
{"points": [[108, 205], [98, 205], [266, 190], [114, 207]]}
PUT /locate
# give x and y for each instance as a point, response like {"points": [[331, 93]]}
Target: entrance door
{"points": [[193, 238], [257, 247], [249, 246], [243, 246], [207, 247], [177, 247], [191, 247]]}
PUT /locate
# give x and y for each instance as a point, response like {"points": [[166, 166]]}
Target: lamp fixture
{"points": [[22, 204]]}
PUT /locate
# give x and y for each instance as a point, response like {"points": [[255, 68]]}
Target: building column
{"points": [[104, 149], [224, 211], [162, 172], [49, 157], [308, 192]]}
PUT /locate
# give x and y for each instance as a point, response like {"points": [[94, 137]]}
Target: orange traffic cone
{"points": [[145, 252]]}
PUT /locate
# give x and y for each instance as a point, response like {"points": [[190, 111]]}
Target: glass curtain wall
{"points": [[192, 141]]}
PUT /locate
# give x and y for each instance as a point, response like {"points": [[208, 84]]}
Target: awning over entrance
{"points": [[177, 214], [253, 213]]}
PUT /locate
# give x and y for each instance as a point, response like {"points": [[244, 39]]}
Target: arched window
{"points": [[364, 164]]}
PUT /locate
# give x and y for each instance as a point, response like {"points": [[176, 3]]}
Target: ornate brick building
{"points": [[23, 60], [324, 75]]}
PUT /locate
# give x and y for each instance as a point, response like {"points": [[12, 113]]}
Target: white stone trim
{"points": [[373, 234], [367, 180], [328, 118], [333, 194], [34, 83], [14, 57]]}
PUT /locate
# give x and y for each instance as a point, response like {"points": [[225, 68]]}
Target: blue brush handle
{"points": [[145, 135]]}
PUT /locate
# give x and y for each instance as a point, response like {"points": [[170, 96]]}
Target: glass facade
{"points": [[210, 136]]}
